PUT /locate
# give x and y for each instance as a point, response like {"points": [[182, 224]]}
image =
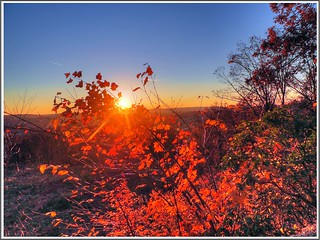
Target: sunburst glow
{"points": [[124, 103]]}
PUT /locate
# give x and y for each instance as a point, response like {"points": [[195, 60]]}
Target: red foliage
{"points": [[146, 175]]}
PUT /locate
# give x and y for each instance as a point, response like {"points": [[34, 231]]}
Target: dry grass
{"points": [[28, 195]]}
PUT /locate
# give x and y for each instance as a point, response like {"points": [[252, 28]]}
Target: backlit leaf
{"points": [[212, 122], [157, 147], [54, 169], [52, 214], [56, 222], [67, 133], [63, 172], [67, 74], [278, 147], [114, 86], [86, 148], [43, 168], [141, 186], [223, 127]]}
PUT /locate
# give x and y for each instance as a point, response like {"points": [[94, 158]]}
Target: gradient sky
{"points": [[183, 42]]}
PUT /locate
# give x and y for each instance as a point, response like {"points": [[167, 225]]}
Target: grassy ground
{"points": [[28, 195]]}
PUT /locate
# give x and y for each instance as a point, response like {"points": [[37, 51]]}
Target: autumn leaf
{"points": [[59, 93], [212, 122], [43, 168], [114, 86], [79, 75], [223, 126], [26, 131], [145, 81], [137, 88], [67, 133], [67, 74], [74, 192], [157, 147], [75, 74], [103, 221], [86, 148], [54, 169], [119, 94], [105, 83], [63, 172], [99, 76], [138, 75], [52, 214], [70, 80], [80, 84], [141, 186], [278, 147], [149, 71], [55, 108], [113, 151], [56, 222]]}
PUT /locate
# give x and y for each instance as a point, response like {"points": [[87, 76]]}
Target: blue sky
{"points": [[183, 42]]}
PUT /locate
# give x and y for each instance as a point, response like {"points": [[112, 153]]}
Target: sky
{"points": [[184, 43]]}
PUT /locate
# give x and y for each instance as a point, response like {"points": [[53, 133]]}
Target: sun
{"points": [[123, 103]]}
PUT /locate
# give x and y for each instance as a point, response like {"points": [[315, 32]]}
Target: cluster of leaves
{"points": [[100, 99], [147, 175]]}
